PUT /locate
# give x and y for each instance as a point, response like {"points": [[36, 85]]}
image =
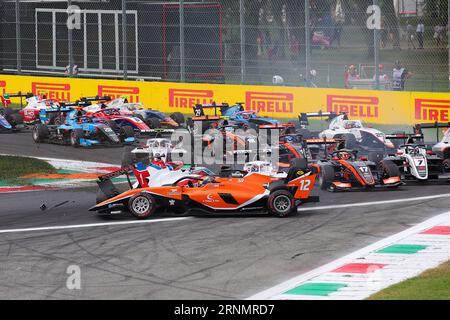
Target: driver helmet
{"points": [[344, 155]]}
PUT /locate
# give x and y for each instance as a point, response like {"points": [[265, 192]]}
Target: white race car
{"points": [[416, 162], [442, 148], [159, 148], [35, 104], [356, 135]]}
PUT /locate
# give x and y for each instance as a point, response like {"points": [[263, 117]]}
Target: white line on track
{"points": [[92, 225], [363, 204], [291, 283]]}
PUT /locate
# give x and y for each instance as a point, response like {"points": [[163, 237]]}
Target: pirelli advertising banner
{"points": [[382, 107]]}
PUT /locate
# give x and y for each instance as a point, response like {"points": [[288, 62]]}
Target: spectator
{"points": [[259, 44], [420, 30], [382, 75], [399, 77], [294, 48], [350, 74], [439, 32], [383, 33], [410, 35], [336, 35], [71, 70]]}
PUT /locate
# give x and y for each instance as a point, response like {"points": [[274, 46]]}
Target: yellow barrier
{"points": [[281, 102]]}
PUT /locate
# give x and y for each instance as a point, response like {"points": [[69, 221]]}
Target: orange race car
{"points": [[248, 192]]}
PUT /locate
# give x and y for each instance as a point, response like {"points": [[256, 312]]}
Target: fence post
{"points": [[18, 42], [242, 30], [307, 43], [69, 41], [124, 40], [376, 48], [182, 55]]}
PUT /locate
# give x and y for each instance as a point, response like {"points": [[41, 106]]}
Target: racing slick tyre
{"points": [[55, 119], [375, 157], [178, 117], [126, 132], [40, 133], [142, 205], [15, 119], [281, 203], [75, 136], [326, 176], [153, 123], [389, 169]]}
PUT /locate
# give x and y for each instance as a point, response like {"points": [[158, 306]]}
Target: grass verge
{"points": [[433, 284], [13, 167]]}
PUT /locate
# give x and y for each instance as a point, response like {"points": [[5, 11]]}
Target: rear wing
{"points": [[18, 95], [6, 98], [303, 118], [281, 126], [96, 98], [404, 136], [107, 186], [77, 103], [55, 110], [436, 125], [199, 108], [323, 141]]}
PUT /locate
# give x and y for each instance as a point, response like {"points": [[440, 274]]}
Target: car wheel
{"points": [[153, 123], [326, 176], [281, 203], [126, 132], [40, 133], [15, 119], [142, 205], [178, 117], [75, 136], [389, 169]]}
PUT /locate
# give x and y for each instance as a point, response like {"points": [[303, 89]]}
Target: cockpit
{"points": [[352, 124]]}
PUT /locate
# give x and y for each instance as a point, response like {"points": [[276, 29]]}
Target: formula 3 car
{"points": [[365, 140], [442, 147], [416, 162], [156, 149], [153, 118], [78, 130], [36, 103], [343, 171], [219, 195]]}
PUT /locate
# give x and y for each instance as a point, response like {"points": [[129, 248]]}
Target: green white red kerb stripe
{"points": [[371, 269]]}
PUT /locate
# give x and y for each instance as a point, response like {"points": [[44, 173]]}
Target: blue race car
{"points": [[77, 130], [238, 114]]}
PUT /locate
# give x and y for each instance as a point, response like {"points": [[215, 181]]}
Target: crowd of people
{"points": [[397, 80]]}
